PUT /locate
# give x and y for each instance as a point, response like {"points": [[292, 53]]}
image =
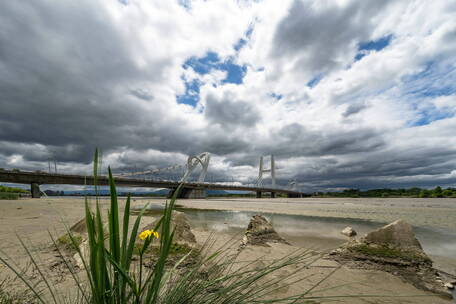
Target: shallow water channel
{"points": [[313, 232]]}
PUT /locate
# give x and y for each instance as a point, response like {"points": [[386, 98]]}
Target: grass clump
{"points": [[175, 249], [383, 251], [70, 242], [380, 251]]}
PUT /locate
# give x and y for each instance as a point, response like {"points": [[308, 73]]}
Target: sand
{"points": [[33, 218]]}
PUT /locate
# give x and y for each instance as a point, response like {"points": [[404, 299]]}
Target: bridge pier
{"points": [[258, 194], [294, 195], [35, 190], [273, 194]]}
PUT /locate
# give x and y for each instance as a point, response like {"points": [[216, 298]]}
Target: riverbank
{"points": [[32, 218]]}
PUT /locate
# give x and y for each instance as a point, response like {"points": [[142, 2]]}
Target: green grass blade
{"points": [[126, 222], [122, 272], [102, 274], [91, 234], [133, 236], [123, 253], [114, 234]]}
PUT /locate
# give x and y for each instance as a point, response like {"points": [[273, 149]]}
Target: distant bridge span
{"points": [[34, 179]]}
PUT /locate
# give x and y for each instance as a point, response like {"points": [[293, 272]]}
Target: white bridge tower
{"points": [[263, 170]]}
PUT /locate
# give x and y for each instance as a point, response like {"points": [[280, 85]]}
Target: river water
{"points": [[317, 223]]}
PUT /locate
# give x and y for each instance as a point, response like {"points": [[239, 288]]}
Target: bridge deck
{"points": [[22, 177]]}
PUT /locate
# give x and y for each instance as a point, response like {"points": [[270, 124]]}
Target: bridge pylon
{"points": [[193, 162], [262, 170]]}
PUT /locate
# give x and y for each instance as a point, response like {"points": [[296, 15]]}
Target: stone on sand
{"points": [[395, 249], [260, 232], [449, 285], [398, 234], [182, 229], [80, 226], [349, 231]]}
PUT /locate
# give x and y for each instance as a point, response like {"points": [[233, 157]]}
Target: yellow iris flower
{"points": [[148, 233]]}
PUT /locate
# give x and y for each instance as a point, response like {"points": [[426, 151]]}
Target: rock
{"points": [[449, 285], [80, 226], [394, 243], [85, 252], [182, 230], [398, 234], [260, 232], [394, 249], [348, 231]]}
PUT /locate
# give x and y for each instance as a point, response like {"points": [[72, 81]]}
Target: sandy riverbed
{"points": [[32, 218]]}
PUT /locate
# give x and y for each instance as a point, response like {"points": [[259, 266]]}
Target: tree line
{"points": [[386, 192]]}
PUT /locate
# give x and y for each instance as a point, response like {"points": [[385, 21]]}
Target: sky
{"points": [[345, 94]]}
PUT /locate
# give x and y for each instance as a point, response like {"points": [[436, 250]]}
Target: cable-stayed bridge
{"points": [[145, 178]]}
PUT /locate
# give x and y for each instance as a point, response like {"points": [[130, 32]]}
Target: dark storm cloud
{"points": [[229, 112], [423, 167], [295, 140], [317, 35], [66, 78]]}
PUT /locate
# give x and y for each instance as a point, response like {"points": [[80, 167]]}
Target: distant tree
{"points": [[414, 191], [448, 192], [425, 193], [437, 192]]}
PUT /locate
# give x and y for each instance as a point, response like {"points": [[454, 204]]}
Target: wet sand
{"points": [[32, 218]]}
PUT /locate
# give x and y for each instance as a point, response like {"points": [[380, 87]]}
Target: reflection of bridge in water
{"points": [[189, 190]]}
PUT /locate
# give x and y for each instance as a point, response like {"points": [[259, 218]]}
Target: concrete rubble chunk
{"points": [[349, 231], [79, 227], [260, 232], [85, 252], [182, 229], [398, 234], [449, 285], [394, 249]]}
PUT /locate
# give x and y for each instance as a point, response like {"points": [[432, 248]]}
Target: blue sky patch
{"points": [[375, 45], [436, 79], [191, 95], [203, 65], [314, 81], [372, 45], [243, 41], [427, 117]]}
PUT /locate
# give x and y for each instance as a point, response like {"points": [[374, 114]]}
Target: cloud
{"points": [[319, 36], [344, 93], [229, 112]]}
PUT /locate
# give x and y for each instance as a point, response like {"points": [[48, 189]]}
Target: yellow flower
{"points": [[147, 234]]}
